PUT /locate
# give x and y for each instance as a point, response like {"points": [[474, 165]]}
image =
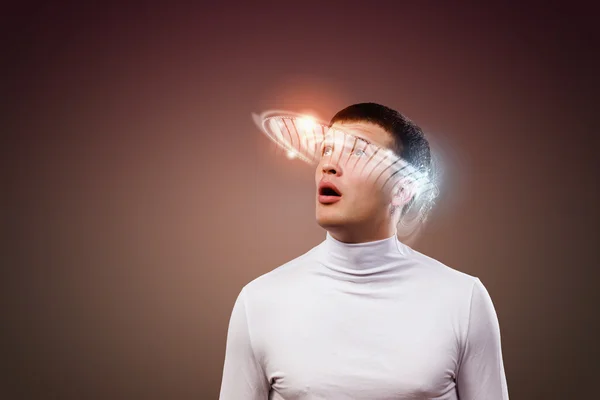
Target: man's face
{"points": [[356, 161]]}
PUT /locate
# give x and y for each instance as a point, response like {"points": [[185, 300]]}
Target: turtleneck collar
{"points": [[359, 259]]}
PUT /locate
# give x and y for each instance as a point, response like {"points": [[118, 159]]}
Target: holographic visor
{"points": [[315, 142]]}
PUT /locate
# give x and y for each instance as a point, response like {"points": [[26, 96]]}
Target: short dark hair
{"points": [[409, 141]]}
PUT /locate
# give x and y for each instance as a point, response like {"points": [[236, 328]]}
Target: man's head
{"points": [[363, 157]]}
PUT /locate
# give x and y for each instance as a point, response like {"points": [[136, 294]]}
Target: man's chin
{"points": [[331, 221]]}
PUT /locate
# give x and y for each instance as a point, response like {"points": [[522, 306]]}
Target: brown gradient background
{"points": [[140, 197]]}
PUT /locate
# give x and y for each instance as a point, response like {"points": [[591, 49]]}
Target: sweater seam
{"points": [[466, 337], [256, 360]]}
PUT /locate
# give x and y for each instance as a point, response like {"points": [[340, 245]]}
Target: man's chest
{"points": [[361, 351]]}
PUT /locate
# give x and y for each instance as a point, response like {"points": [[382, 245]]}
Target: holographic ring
{"points": [[298, 134], [301, 136]]}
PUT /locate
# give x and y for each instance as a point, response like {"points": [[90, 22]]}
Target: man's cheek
{"points": [[360, 170], [372, 167]]}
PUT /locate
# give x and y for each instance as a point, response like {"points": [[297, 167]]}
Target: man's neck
{"points": [[361, 235]]}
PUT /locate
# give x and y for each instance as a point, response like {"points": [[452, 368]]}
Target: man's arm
{"points": [[243, 377], [481, 373]]}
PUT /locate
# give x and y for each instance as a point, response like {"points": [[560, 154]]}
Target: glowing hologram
{"points": [[312, 141], [295, 133]]}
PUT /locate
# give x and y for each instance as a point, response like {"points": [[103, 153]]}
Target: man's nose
{"points": [[330, 168]]}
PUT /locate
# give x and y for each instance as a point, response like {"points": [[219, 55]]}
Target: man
{"points": [[362, 315]]}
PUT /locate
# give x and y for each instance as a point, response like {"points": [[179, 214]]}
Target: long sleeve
{"points": [[243, 377], [481, 373]]}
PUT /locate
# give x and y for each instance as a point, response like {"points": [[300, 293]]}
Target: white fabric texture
{"points": [[374, 320]]}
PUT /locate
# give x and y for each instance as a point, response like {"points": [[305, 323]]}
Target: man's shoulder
{"points": [[443, 275]]}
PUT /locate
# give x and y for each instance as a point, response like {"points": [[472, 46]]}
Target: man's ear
{"points": [[403, 192]]}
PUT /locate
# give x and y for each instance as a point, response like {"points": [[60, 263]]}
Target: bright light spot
{"points": [[307, 123], [291, 155]]}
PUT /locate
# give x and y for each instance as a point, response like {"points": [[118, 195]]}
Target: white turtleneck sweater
{"points": [[366, 321]]}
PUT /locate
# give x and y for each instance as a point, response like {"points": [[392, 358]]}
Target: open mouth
{"points": [[329, 191]]}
